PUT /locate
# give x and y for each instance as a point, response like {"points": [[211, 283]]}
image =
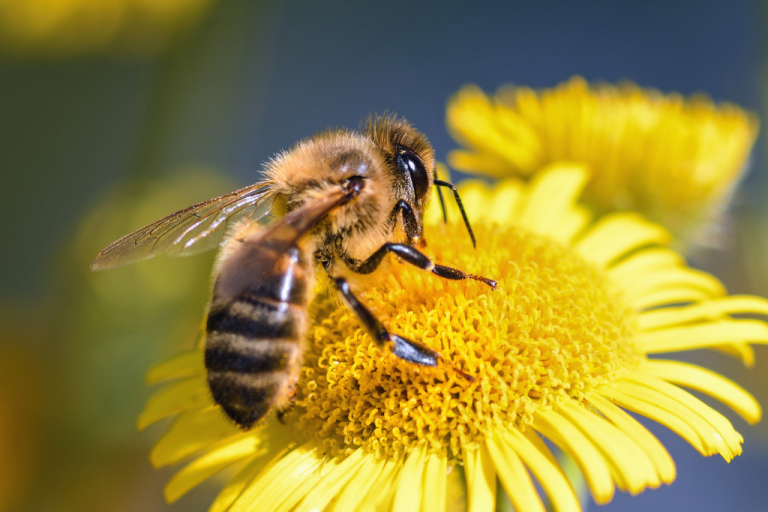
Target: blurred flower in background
{"points": [[559, 350], [673, 159], [60, 28]]}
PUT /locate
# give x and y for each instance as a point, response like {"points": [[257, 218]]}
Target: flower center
{"points": [[553, 329]]}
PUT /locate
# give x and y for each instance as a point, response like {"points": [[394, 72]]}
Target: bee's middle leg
{"points": [[405, 349], [416, 258]]}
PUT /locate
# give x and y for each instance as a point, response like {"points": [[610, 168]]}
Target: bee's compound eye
{"points": [[408, 163]]}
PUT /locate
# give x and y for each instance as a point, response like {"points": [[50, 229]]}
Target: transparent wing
{"points": [[195, 229], [261, 252]]}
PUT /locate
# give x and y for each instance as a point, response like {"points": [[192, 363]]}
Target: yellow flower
{"points": [[675, 160], [69, 27], [560, 350]]}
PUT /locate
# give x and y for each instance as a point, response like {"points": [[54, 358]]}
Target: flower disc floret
{"points": [[553, 329]]}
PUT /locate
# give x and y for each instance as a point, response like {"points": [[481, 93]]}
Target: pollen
{"points": [[553, 330]]}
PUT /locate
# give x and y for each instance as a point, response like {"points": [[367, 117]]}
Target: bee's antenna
{"points": [[440, 196], [441, 183]]}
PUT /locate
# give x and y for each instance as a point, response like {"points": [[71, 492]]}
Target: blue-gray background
{"points": [[257, 76]]}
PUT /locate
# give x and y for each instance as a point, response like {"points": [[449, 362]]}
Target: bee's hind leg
{"points": [[403, 348]]}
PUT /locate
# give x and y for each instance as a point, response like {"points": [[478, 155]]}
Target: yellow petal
{"points": [[183, 364], [330, 486], [703, 335], [475, 196], [707, 310], [410, 483], [507, 197], [271, 454], [269, 491], [719, 422], [712, 439], [572, 224], [548, 473], [676, 295], [635, 268], [617, 234], [661, 280], [209, 464], [189, 393], [633, 468], [709, 382], [670, 420], [475, 163], [742, 351], [191, 431], [481, 479], [353, 493], [513, 475], [551, 195], [565, 435], [665, 466], [435, 481], [382, 493]]}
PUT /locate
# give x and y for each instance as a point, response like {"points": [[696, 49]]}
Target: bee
{"points": [[337, 202]]}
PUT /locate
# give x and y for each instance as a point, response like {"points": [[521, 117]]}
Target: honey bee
{"points": [[337, 202]]}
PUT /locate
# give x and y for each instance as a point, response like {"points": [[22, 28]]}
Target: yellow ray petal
{"points": [[507, 197], [189, 393], [703, 335], [269, 490], [366, 477], [548, 473], [189, 432], [475, 196], [482, 163], [658, 414], [672, 279], [270, 456], [632, 467], [742, 351], [709, 382], [708, 310], [713, 441], [513, 475], [719, 422], [183, 364], [211, 463], [572, 224], [675, 295], [382, 492], [665, 466], [617, 234], [328, 488], [435, 481], [551, 195], [481, 480], [634, 268], [410, 483], [565, 435]]}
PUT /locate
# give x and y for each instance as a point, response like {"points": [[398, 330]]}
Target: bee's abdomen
{"points": [[253, 346]]}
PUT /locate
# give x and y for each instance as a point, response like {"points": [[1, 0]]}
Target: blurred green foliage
{"points": [[104, 331]]}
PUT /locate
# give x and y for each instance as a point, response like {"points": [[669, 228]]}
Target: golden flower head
{"points": [[675, 160], [71, 27], [560, 350]]}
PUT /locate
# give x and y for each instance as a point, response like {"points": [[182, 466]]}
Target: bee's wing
{"points": [[262, 251], [195, 229]]}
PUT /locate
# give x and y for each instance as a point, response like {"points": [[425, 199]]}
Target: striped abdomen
{"points": [[254, 341]]}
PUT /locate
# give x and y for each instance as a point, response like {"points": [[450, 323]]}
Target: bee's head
{"points": [[410, 163], [409, 156]]}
